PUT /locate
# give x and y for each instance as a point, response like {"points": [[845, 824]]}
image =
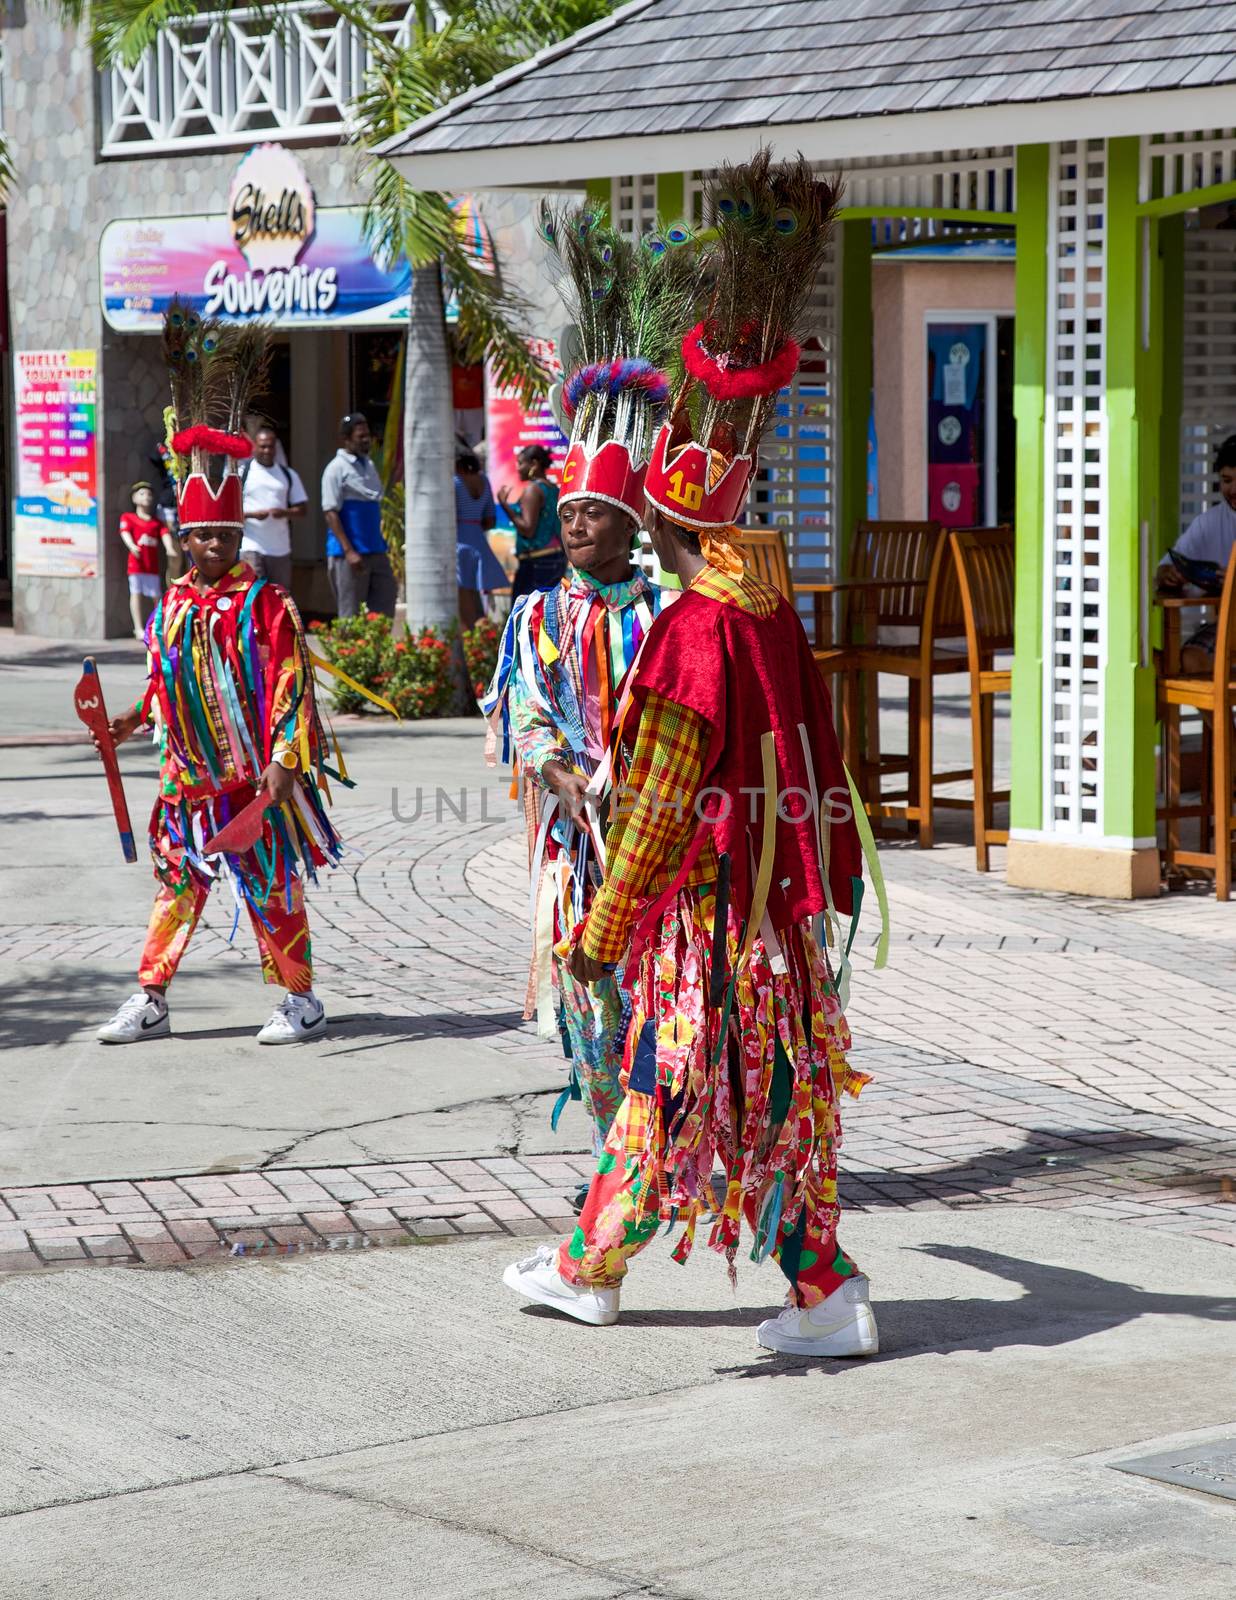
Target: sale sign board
{"points": [[510, 425], [56, 511]]}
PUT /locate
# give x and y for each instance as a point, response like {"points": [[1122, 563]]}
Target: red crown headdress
{"points": [[694, 484], [606, 474], [214, 367], [628, 300], [199, 503]]}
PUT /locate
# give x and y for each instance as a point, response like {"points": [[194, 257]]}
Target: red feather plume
{"points": [[213, 440], [738, 383]]}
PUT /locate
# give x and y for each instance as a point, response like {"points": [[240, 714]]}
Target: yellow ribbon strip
{"points": [[338, 672], [871, 856], [763, 876]]}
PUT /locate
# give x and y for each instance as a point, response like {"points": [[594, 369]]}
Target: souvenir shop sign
{"points": [[510, 425], [56, 510], [272, 255]]}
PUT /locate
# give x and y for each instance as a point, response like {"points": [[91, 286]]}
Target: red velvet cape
{"points": [[746, 675]]}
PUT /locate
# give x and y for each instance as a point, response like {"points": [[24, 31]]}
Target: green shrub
{"points": [[413, 673], [480, 648]]}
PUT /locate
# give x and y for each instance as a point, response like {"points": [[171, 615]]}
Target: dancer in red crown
{"points": [[736, 848], [231, 693]]}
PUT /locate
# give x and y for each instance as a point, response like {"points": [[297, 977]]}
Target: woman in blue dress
{"points": [[538, 541], [478, 569]]}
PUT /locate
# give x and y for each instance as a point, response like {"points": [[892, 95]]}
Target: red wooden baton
{"points": [[243, 831], [88, 703]]}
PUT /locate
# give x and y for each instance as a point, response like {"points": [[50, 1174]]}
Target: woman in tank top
{"points": [[538, 543]]}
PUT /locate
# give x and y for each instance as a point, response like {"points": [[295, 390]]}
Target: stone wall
{"points": [[64, 198]]}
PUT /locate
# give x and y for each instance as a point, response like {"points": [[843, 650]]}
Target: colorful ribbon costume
{"points": [[738, 845], [563, 657], [565, 653], [231, 688]]}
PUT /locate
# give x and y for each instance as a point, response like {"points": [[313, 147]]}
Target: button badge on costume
{"points": [[223, 603]]}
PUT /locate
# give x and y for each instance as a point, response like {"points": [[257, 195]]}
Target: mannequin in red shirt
{"points": [[142, 534]]}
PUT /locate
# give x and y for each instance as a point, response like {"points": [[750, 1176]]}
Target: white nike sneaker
{"points": [[537, 1278], [296, 1018], [842, 1325], [142, 1016]]}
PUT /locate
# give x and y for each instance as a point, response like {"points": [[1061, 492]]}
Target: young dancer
{"points": [[566, 651], [231, 693], [735, 850]]}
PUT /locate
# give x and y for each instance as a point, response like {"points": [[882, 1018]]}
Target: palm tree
{"points": [[444, 48]]}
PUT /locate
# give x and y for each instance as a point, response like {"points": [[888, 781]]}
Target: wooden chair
{"points": [[984, 562], [901, 576], [1212, 694], [765, 555]]}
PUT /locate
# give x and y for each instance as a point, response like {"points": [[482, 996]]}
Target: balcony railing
{"points": [[222, 79]]}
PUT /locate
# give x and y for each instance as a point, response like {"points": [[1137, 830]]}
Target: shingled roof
{"points": [[685, 68]]}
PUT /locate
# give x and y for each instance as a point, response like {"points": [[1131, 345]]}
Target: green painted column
{"points": [[671, 197], [1128, 788], [854, 398], [1029, 411]]}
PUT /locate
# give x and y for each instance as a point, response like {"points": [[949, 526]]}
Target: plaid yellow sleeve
{"points": [[654, 819]]}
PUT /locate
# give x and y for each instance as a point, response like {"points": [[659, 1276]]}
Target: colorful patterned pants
{"points": [[596, 1020], [609, 1234], [283, 945]]}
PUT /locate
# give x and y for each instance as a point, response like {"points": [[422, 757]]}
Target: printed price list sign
{"points": [[56, 512]]}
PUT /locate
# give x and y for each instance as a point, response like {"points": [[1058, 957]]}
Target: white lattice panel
{"points": [[1173, 163], [957, 180], [221, 78], [1075, 490], [633, 205], [796, 488], [1208, 364]]}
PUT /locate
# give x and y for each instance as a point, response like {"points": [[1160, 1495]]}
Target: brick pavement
{"points": [[1027, 1049]]}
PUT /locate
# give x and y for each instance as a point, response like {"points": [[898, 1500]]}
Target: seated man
{"points": [[1209, 538]]}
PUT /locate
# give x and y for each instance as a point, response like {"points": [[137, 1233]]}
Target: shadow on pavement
{"points": [[47, 1015], [1045, 1156], [1060, 1305], [89, 995], [384, 1029]]}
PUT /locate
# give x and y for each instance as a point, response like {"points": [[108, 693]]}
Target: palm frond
{"points": [[492, 324]]}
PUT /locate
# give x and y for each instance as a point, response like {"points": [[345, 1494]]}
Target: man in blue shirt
{"points": [[1209, 538], [360, 569]]}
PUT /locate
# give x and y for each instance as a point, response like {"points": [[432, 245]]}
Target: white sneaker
{"points": [[537, 1278], [142, 1016], [296, 1018], [842, 1325]]}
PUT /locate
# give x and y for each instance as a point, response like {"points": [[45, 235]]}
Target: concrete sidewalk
{"points": [[399, 1424]]}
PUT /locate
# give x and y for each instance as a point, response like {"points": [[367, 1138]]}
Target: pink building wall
{"points": [[902, 292]]}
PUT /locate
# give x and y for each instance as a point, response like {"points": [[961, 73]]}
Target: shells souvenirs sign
{"points": [[274, 254]]}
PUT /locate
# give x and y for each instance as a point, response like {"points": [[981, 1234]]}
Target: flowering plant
{"points": [[413, 673], [480, 648]]}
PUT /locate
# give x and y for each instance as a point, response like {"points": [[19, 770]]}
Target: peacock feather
{"points": [[773, 223], [214, 369], [629, 301]]}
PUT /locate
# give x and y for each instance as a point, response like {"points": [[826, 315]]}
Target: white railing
{"points": [[221, 79]]}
